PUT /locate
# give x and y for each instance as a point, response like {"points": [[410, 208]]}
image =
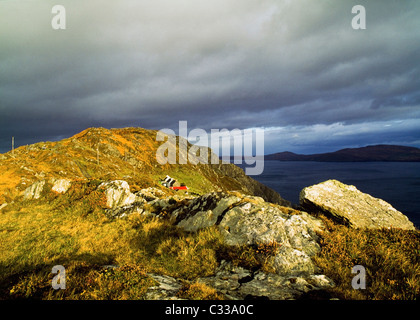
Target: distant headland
{"points": [[369, 153]]}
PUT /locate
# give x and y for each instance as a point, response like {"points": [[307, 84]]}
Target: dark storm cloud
{"points": [[287, 66]]}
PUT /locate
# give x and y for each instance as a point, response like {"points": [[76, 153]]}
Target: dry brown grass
{"points": [[198, 291], [38, 236], [391, 258]]}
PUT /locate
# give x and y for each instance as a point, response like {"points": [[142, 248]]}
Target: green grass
{"points": [[191, 178]]}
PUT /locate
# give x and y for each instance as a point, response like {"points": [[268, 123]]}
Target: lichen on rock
{"points": [[117, 193], [349, 206]]}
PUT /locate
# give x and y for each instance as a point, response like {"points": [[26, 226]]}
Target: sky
{"points": [[295, 69]]}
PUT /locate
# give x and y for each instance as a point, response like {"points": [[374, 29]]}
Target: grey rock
{"points": [[301, 232], [123, 211], [248, 185], [206, 218], [348, 205], [117, 193], [150, 194], [251, 221], [237, 283], [166, 289], [258, 224], [291, 261]]}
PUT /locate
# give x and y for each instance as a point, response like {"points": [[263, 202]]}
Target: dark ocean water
{"points": [[398, 183]]}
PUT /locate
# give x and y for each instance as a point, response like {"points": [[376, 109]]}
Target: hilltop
{"points": [[110, 154], [369, 153]]}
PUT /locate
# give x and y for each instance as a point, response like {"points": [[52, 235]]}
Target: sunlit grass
{"points": [[391, 258], [36, 237], [198, 291]]}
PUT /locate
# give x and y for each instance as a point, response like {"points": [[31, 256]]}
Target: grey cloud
{"points": [[327, 138], [233, 64]]}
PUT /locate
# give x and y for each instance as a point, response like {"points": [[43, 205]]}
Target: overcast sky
{"points": [[296, 68]]}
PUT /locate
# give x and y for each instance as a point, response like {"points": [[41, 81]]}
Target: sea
{"points": [[398, 183]]}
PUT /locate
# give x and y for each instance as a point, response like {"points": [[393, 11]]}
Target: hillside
{"points": [[369, 153], [103, 154]]}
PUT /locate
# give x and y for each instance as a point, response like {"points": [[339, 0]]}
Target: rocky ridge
{"points": [[242, 220]]}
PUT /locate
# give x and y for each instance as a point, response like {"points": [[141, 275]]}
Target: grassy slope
{"points": [[72, 230], [36, 237]]}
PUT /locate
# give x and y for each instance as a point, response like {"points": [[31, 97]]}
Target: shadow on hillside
{"points": [[36, 280]]}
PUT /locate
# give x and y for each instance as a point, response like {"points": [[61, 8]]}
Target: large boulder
{"points": [[347, 205], [204, 211], [117, 193]]}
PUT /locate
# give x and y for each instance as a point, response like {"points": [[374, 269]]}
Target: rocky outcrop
{"points": [[150, 194], [242, 220], [252, 221], [117, 193], [238, 283], [348, 205]]}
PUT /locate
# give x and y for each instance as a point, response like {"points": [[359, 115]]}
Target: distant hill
{"points": [[364, 154]]}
